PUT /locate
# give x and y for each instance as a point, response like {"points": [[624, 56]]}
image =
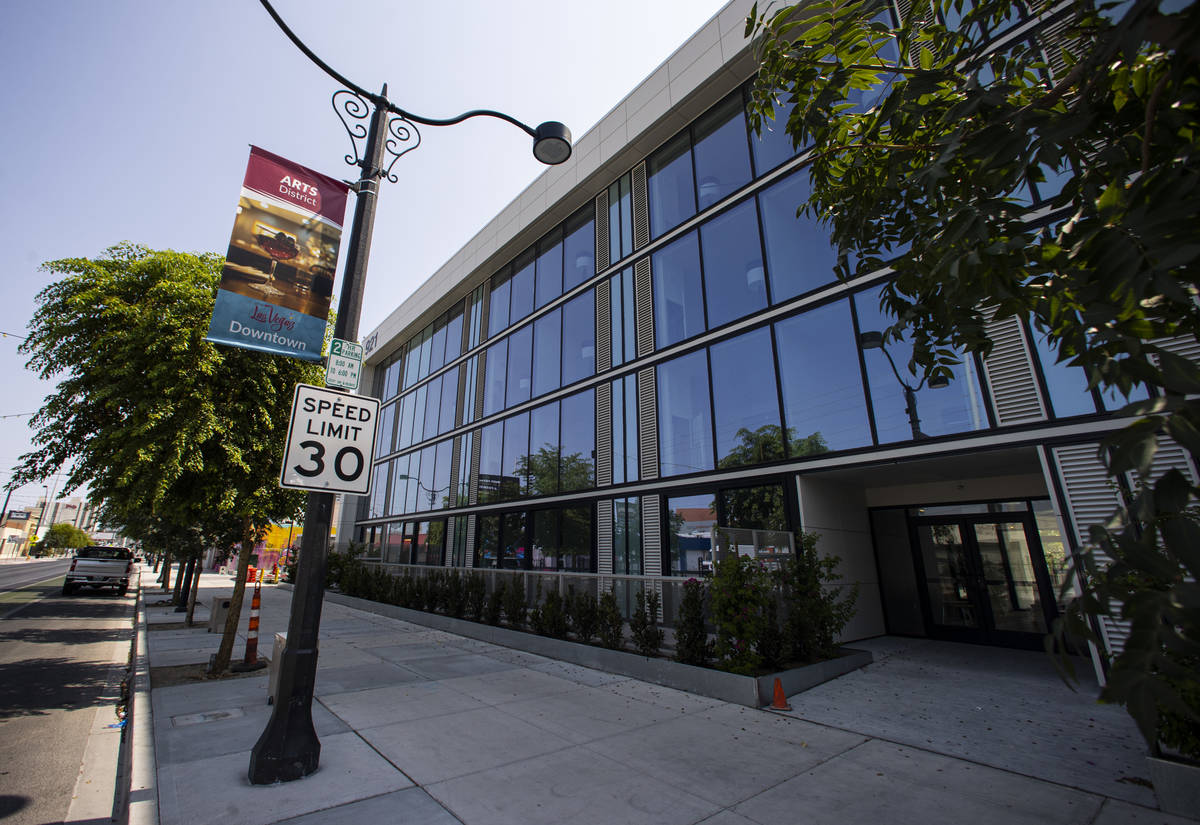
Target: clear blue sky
{"points": [[130, 120]]}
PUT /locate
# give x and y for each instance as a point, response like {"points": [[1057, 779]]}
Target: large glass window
{"points": [[475, 330], [488, 552], [546, 528], [516, 457], [684, 415], [449, 400], [671, 194], [754, 508], [543, 450], [520, 359], [579, 249], [722, 152], [513, 541], [549, 277], [579, 338], [433, 407], [577, 549], [627, 536], [624, 430], [690, 522], [391, 379], [464, 469], [494, 375], [799, 255], [678, 305], [734, 285], [454, 333], [412, 487], [746, 400], [824, 406], [522, 288], [419, 406], [399, 486], [773, 145], [443, 458], [621, 317], [620, 219], [577, 458], [428, 493], [387, 423], [491, 464], [437, 347], [1068, 385], [547, 352], [933, 411], [498, 304], [379, 491]]}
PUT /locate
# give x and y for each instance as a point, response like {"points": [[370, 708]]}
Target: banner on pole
{"points": [[278, 277]]}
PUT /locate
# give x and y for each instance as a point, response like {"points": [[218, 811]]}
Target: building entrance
{"points": [[984, 578]]}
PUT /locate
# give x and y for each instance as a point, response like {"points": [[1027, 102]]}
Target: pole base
{"points": [[289, 748]]}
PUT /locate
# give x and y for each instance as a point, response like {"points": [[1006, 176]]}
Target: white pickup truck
{"points": [[99, 567]]}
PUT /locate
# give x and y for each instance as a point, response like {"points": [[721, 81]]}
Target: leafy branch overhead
{"points": [[1046, 172]]}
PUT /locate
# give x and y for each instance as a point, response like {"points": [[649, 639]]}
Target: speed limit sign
{"points": [[331, 439]]}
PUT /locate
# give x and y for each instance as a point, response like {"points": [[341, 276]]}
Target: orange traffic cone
{"points": [[252, 630], [780, 701]]}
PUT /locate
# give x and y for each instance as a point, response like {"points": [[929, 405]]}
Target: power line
{"points": [[17, 415], [4, 334]]}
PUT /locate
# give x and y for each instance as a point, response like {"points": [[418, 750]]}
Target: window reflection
{"points": [[906, 408], [543, 461], [549, 271], [521, 293], [627, 536], [671, 195], [678, 305], [684, 418], [824, 405], [624, 430], [579, 249], [547, 352], [577, 457], [746, 400], [773, 145], [734, 283], [498, 304], [579, 338], [690, 523], [799, 255], [519, 381], [722, 152], [491, 452], [495, 370], [620, 219], [515, 470], [621, 317]]}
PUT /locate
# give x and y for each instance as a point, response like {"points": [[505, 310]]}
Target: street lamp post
{"points": [[288, 748], [874, 340]]}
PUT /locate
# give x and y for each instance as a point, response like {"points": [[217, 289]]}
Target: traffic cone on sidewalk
{"points": [[251, 662], [779, 701]]}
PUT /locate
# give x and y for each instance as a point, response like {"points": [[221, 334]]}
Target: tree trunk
{"points": [[157, 560], [180, 577], [195, 586], [188, 577], [165, 578], [224, 653]]}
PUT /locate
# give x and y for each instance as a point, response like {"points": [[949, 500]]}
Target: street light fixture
{"points": [[873, 339], [288, 748]]}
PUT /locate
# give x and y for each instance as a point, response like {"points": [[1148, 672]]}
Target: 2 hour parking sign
{"points": [[331, 439]]}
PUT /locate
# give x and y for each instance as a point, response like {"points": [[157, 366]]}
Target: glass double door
{"points": [[985, 579]]}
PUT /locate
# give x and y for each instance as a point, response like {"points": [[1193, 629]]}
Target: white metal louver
{"points": [[647, 423], [1010, 376], [643, 307], [604, 439], [1092, 498], [641, 211], [603, 326], [604, 537], [470, 549]]}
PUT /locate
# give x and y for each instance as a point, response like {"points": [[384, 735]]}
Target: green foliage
{"points": [[610, 625], [692, 646], [584, 615], [494, 603], [924, 162], [770, 646], [815, 611], [549, 617], [515, 603], [63, 535], [456, 594], [643, 624], [336, 565], [741, 587], [476, 597]]}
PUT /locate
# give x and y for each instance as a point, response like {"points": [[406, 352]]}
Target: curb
{"points": [[143, 784]]}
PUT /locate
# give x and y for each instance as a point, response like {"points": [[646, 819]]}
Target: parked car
{"points": [[99, 567]]}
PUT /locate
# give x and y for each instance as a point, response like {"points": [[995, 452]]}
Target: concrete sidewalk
{"points": [[421, 726]]}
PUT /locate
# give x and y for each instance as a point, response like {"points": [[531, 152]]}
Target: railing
{"points": [[537, 583]]}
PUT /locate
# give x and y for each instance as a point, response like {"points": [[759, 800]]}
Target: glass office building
{"points": [[660, 367]]}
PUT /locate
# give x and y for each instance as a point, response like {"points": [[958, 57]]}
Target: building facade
{"points": [[646, 361]]}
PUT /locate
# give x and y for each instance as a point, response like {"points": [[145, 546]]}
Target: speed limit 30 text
{"points": [[335, 409]]}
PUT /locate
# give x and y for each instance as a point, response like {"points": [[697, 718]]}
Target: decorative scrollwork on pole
{"points": [[402, 138], [348, 104]]}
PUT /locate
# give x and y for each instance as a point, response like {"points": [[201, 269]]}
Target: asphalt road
{"points": [[59, 659]]}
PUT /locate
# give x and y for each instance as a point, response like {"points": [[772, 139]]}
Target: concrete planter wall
{"points": [[1177, 786], [743, 690]]}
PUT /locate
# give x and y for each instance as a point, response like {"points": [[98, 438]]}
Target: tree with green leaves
{"points": [[1053, 178], [63, 536], [154, 419]]}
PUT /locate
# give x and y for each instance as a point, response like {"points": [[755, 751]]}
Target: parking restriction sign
{"points": [[331, 439]]}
